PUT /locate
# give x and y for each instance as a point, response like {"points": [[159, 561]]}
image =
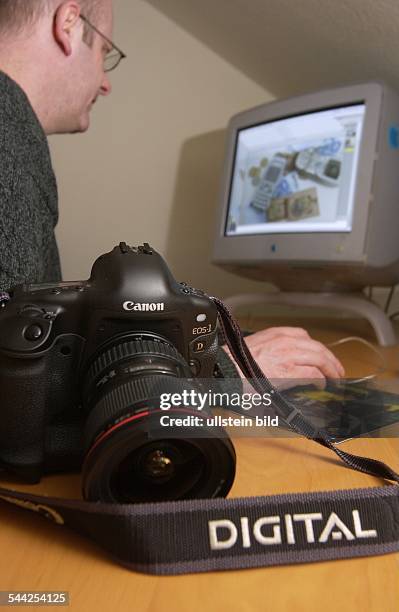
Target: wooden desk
{"points": [[37, 555]]}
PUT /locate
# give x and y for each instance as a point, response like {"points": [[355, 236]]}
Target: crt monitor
{"points": [[310, 191]]}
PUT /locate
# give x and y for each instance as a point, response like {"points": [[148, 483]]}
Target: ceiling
{"points": [[293, 46]]}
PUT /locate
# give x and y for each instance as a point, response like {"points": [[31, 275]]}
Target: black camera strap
{"points": [[219, 534]]}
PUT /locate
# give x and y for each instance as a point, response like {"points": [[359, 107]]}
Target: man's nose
{"points": [[106, 87]]}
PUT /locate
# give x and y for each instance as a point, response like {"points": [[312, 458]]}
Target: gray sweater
{"points": [[28, 194]]}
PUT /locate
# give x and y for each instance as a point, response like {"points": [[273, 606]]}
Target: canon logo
{"points": [[144, 307]]}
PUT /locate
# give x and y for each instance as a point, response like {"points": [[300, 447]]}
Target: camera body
{"points": [[63, 346]]}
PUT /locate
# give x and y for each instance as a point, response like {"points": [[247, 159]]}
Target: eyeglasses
{"points": [[114, 55]]}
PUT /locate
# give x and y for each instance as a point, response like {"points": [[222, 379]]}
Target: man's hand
{"points": [[289, 353]]}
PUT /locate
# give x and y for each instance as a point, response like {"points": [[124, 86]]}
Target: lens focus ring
{"points": [[133, 393], [143, 355], [129, 349]]}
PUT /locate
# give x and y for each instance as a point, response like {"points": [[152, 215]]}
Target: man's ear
{"points": [[66, 20]]}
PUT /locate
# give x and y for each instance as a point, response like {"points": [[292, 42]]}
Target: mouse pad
{"points": [[347, 409]]}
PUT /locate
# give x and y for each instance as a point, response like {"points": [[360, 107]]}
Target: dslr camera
{"points": [[82, 368]]}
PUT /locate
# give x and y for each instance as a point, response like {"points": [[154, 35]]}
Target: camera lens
{"points": [[130, 457], [130, 466]]}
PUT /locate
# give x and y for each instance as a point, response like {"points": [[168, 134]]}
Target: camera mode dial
{"points": [[27, 330]]}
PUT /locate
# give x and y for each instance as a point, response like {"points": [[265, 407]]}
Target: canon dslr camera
{"points": [[82, 368]]}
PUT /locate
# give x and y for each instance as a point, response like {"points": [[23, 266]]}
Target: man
{"points": [[57, 61], [52, 63]]}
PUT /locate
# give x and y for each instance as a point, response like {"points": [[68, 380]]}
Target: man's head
{"points": [[57, 57]]}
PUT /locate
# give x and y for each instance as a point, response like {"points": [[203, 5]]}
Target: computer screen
{"points": [[309, 195], [296, 174]]}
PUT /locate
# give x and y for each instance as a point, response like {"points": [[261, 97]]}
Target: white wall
{"points": [[148, 169]]}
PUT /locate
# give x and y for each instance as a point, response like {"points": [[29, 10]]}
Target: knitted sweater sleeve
{"points": [[22, 230]]}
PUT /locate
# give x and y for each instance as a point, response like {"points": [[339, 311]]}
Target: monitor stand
{"points": [[356, 303]]}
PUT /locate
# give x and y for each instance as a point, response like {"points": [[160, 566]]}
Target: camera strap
{"points": [[219, 534], [203, 535]]}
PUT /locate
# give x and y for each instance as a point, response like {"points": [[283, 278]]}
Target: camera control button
{"points": [[195, 367], [33, 332]]}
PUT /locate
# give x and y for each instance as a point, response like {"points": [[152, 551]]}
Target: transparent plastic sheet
{"points": [[343, 409]]}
